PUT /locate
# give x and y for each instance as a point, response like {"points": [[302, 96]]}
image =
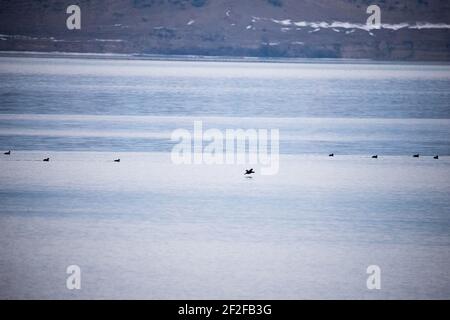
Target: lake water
{"points": [[147, 228]]}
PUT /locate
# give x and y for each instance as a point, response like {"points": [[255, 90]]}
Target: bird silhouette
{"points": [[436, 157], [416, 155], [117, 160], [249, 171], [8, 153], [331, 155], [46, 159], [375, 157]]}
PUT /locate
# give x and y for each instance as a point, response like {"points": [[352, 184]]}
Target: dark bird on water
{"points": [[249, 171], [46, 159], [331, 155], [375, 157], [416, 155], [436, 157], [8, 153], [117, 160]]}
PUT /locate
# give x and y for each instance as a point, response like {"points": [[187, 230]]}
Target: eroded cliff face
{"points": [[411, 30]]}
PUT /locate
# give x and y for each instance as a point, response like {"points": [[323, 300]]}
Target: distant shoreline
{"points": [[200, 58]]}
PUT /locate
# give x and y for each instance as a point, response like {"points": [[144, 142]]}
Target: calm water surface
{"points": [[145, 228]]}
